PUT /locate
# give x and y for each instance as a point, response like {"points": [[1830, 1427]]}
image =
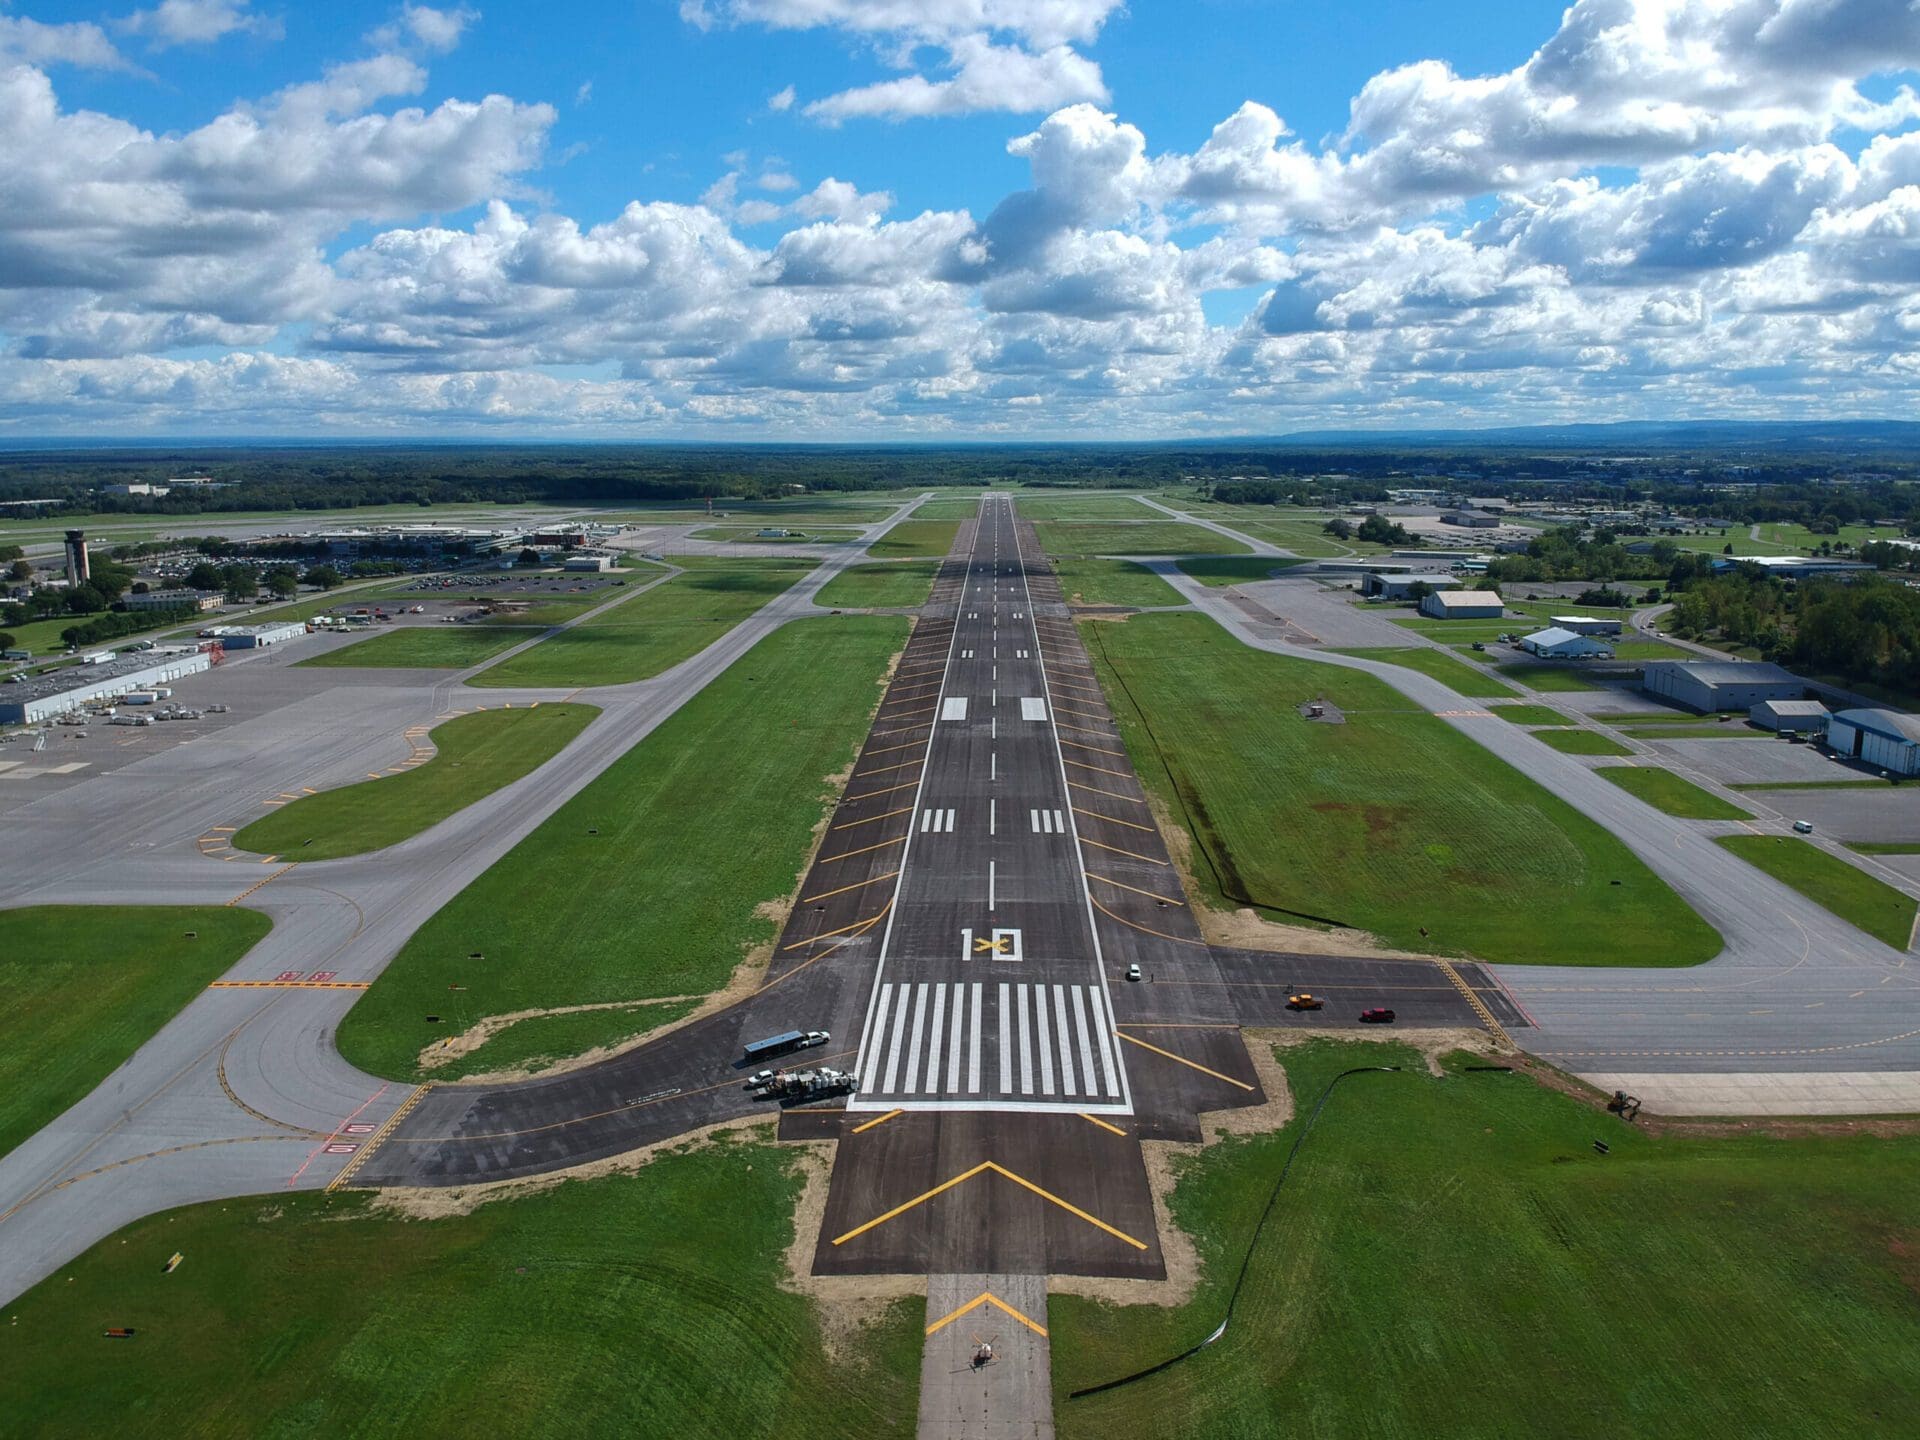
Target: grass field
{"points": [[1220, 570], [707, 818], [1393, 820], [475, 755], [87, 985], [1694, 732], [1096, 580], [425, 647], [1530, 714], [860, 587], [1581, 742], [1813, 785], [655, 630], [1454, 674], [635, 1305], [1451, 1258], [916, 539], [750, 535], [1306, 536], [1855, 896], [1551, 678], [1037, 506], [1155, 537], [1883, 847], [1666, 791]]}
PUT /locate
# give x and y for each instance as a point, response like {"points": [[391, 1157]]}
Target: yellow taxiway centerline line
{"points": [[877, 1120]]}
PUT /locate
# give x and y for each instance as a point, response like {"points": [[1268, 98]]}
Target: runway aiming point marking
{"points": [[954, 708]]}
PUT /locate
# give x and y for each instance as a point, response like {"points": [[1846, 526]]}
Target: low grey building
{"points": [[1463, 605], [1793, 717], [1556, 643], [1376, 585], [1587, 624], [1709, 686], [49, 696], [1885, 739]]}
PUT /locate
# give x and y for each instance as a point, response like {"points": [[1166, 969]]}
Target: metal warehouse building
{"points": [[1463, 605], [50, 696], [1556, 643], [255, 637], [1395, 587], [1713, 685], [1792, 717], [1587, 624], [1884, 738]]}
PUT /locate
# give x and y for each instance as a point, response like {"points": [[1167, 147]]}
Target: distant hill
{"points": [[1636, 434]]}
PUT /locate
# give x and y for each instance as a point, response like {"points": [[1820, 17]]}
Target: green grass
{"points": [[1454, 674], [475, 755], [87, 985], [1530, 715], [1551, 678], [1219, 570], [1449, 1257], [1155, 537], [707, 818], [750, 535], [1581, 742], [1392, 822], [1855, 896], [540, 1041], [1647, 650], [1883, 847], [1666, 791], [1089, 507], [916, 539], [633, 1305], [1096, 580], [425, 647], [1648, 717], [861, 587], [655, 630], [1305, 537]]}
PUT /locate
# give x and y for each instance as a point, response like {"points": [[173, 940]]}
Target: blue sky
{"points": [[942, 218]]}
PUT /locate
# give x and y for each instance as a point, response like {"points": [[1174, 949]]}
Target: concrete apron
{"points": [[1009, 1397]]}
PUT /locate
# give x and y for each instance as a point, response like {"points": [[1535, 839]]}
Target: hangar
{"points": [[1713, 685], [1463, 605], [1790, 717], [1587, 624], [45, 697], [1555, 643], [1376, 585], [1883, 738]]}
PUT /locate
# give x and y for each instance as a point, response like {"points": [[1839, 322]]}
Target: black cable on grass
{"points": [[1246, 1260], [1234, 892]]}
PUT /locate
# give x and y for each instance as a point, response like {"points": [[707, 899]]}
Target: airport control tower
{"points": [[77, 557]]}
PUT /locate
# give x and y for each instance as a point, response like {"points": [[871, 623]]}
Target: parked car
{"points": [[1376, 1016]]}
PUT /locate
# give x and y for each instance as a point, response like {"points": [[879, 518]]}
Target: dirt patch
{"points": [[421, 1202], [442, 1053], [846, 1304]]}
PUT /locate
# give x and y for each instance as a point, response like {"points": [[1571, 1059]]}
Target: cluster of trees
{"points": [[115, 623], [1374, 529], [1867, 630], [1568, 553]]}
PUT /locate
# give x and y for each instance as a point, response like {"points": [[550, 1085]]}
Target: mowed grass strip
{"points": [[1155, 537], [425, 647], [633, 1305], [1855, 896], [1097, 580], [1083, 507], [1667, 791], [1217, 571], [1392, 822], [699, 825], [87, 985], [1456, 675], [1449, 1257], [474, 755], [1581, 742], [1530, 715], [1551, 677], [863, 587], [655, 630], [916, 539]]}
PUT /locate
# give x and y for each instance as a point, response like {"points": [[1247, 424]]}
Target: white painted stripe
{"points": [[934, 1036], [1065, 1032], [973, 1042], [1046, 1038], [1026, 1042], [1034, 817], [1104, 1032], [1059, 822], [993, 818], [1006, 1039], [1080, 1028], [926, 821], [874, 1038], [990, 880], [1032, 707], [899, 1038], [949, 822], [913, 1046], [954, 707], [953, 1040]]}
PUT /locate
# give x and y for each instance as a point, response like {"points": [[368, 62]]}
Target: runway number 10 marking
{"points": [[1003, 945]]}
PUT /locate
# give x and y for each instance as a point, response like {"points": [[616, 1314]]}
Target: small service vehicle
{"points": [[1803, 827], [1133, 972], [1378, 1015], [1304, 1001]]}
